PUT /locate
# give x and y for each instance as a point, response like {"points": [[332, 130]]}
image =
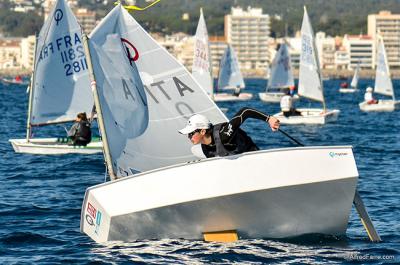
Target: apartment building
{"points": [[387, 25], [27, 52], [361, 48], [217, 49], [326, 48], [10, 53], [86, 18], [248, 31]]}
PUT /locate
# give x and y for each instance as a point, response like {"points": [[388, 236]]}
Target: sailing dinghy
{"points": [[142, 105], [230, 78], [310, 82], [354, 82], [383, 84], [202, 66], [60, 86], [281, 76]]}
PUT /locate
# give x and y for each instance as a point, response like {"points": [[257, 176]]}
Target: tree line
{"points": [[335, 17]]}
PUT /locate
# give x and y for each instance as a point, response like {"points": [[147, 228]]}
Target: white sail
{"points": [[171, 97], [354, 81], [229, 71], [281, 75], [383, 82], [202, 67], [310, 85], [61, 87]]}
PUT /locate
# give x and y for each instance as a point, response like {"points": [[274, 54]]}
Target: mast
{"points": [[107, 155], [31, 87], [387, 65]]}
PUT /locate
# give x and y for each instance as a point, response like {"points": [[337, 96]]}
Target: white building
{"points": [[10, 53], [361, 48], [248, 31], [28, 52], [326, 48], [217, 49], [294, 45], [387, 25], [341, 59], [86, 18]]}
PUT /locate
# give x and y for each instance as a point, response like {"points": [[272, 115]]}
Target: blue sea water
{"points": [[41, 196]]}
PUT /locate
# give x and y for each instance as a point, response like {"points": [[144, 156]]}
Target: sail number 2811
{"points": [[74, 60]]}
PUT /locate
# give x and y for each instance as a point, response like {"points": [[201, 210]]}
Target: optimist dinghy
{"points": [[310, 82], [230, 78], [383, 84], [281, 76], [142, 105], [354, 82], [60, 86]]}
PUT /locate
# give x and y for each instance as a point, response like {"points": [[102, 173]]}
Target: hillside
{"points": [[336, 17]]}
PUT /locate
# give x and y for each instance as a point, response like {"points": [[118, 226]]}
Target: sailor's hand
{"points": [[273, 123]]}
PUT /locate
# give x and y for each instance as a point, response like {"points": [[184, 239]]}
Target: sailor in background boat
{"points": [[368, 97], [225, 138], [287, 106], [80, 132], [236, 92]]}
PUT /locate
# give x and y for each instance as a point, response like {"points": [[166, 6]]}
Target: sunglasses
{"points": [[190, 135]]}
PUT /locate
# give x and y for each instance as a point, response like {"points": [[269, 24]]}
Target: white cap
{"points": [[369, 89], [195, 122]]}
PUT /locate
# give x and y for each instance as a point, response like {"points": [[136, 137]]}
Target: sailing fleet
{"points": [[158, 188]]}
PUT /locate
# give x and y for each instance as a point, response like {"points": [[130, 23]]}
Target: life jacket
{"points": [[242, 142], [84, 133]]}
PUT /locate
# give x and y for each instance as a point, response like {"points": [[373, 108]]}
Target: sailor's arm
{"points": [[246, 113]]}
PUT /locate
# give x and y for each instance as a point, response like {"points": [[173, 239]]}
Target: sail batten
{"points": [[170, 96], [61, 86]]}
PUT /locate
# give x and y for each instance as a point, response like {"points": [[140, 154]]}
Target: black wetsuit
{"points": [[234, 140], [80, 133]]}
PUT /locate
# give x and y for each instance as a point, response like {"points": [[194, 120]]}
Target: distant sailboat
{"points": [[202, 66], [230, 78], [383, 84], [176, 195], [310, 82], [354, 82], [60, 86], [281, 76]]}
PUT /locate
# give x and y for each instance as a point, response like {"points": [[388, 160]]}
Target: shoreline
{"points": [[331, 73]]}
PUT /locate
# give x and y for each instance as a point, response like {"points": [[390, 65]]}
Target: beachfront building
{"points": [[248, 31], [294, 45], [10, 53], [28, 52], [360, 48], [326, 47], [86, 18], [387, 25], [217, 49]]}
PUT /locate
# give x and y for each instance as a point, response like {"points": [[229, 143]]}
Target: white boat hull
{"points": [[274, 97], [53, 146], [382, 105], [309, 116], [219, 97], [271, 97], [271, 201], [348, 90]]}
